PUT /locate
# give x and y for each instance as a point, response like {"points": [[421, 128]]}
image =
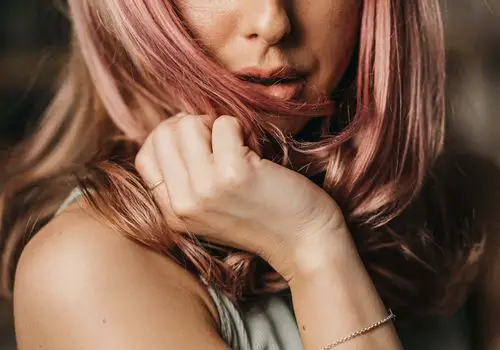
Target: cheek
{"points": [[331, 36], [212, 22]]}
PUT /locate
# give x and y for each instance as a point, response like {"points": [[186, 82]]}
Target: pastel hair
{"points": [[134, 63]]}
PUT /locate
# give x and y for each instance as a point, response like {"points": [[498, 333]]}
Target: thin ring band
{"points": [[157, 184]]}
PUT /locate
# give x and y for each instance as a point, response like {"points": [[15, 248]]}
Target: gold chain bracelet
{"points": [[365, 330]]}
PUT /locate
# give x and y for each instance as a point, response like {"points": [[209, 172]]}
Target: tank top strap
{"points": [[232, 327], [72, 198], [267, 324]]}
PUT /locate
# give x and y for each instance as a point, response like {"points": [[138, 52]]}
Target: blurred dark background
{"points": [[34, 36], [33, 39]]}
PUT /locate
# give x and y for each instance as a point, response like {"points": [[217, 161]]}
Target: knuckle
{"points": [[165, 128], [185, 209], [140, 161], [163, 132], [192, 122], [228, 120], [189, 119], [206, 191], [233, 176]]}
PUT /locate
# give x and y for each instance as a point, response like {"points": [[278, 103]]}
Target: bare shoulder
{"points": [[81, 285]]}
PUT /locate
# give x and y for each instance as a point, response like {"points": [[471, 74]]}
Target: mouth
{"points": [[283, 83], [283, 90]]}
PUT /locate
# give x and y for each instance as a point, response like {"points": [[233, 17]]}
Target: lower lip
{"points": [[284, 91]]}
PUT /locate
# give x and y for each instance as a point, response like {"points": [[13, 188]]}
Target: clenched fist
{"points": [[209, 183]]}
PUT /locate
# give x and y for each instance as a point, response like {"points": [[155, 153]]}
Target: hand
{"points": [[218, 188]]}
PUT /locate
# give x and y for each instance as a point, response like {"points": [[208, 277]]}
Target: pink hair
{"points": [[138, 63]]}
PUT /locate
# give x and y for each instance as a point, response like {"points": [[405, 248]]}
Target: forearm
{"points": [[335, 298]]}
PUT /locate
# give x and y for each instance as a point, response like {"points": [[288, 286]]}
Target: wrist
{"points": [[319, 254]]}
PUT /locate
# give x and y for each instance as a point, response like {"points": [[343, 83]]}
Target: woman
{"points": [[285, 159]]}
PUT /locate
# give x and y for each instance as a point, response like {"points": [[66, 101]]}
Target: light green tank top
{"points": [[269, 324]]}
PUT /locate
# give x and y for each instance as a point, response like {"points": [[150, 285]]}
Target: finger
{"points": [[148, 168], [145, 163], [171, 164], [228, 142], [145, 160], [195, 143]]}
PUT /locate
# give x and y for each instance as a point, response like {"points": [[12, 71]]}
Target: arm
{"points": [[216, 186], [81, 286], [90, 288], [333, 297]]}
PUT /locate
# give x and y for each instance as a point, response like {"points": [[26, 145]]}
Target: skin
{"points": [[79, 285], [315, 36]]}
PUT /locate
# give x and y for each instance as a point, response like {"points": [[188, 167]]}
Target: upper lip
{"points": [[270, 76]]}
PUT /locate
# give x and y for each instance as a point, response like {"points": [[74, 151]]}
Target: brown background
{"points": [[33, 37]]}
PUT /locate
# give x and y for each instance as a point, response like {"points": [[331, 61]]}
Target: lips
{"points": [[288, 91], [283, 82]]}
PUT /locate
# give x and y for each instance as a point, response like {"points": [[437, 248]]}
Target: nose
{"points": [[267, 20]]}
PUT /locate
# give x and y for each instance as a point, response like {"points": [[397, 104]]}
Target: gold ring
{"points": [[152, 188]]}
